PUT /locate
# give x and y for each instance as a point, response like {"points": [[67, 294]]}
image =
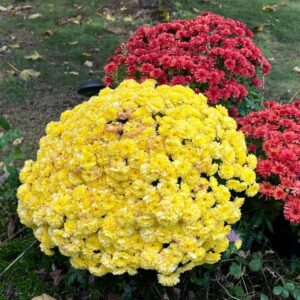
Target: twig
{"points": [[13, 67], [224, 288], [265, 279], [11, 237], [245, 285], [17, 259], [297, 92]]}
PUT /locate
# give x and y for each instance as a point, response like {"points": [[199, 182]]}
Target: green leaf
{"points": [[289, 286], [7, 137], [238, 291], [4, 124], [296, 294], [235, 270], [255, 265], [263, 297], [277, 290], [269, 224], [285, 293]]}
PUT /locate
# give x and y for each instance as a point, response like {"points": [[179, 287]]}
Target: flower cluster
{"points": [[278, 127], [212, 54], [138, 177]]}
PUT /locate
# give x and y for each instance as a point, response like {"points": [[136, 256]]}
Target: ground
{"points": [[73, 40]]}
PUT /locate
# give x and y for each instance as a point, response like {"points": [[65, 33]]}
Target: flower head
{"points": [[277, 130], [130, 179], [213, 54]]}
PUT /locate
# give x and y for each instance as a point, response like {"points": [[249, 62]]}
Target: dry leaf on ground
{"points": [[34, 56], [258, 28], [269, 8], [72, 73], [3, 48], [296, 69], [34, 16], [29, 74], [64, 21], [2, 8], [48, 33], [88, 64], [15, 46]]}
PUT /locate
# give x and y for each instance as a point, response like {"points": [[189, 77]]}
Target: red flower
{"points": [[233, 112], [279, 193], [278, 129], [292, 210], [252, 148], [211, 53]]}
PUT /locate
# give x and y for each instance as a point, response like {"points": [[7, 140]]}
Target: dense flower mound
{"points": [[210, 53], [278, 127], [138, 177]]}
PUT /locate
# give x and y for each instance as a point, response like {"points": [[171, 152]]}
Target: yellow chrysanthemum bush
{"points": [[138, 177]]}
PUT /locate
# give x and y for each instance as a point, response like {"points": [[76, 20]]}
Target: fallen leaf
{"points": [[77, 6], [296, 69], [73, 43], [14, 46], [11, 227], [34, 56], [88, 64], [29, 74], [89, 21], [43, 297], [34, 16], [2, 8], [41, 272], [76, 21], [72, 73], [128, 19], [26, 7], [258, 28], [48, 33], [11, 72], [117, 30], [56, 276], [269, 8], [109, 17], [3, 48], [18, 141]]}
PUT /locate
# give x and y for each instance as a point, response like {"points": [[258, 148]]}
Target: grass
{"points": [[30, 105]]}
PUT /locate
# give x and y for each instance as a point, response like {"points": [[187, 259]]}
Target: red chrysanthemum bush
{"points": [[210, 53], [277, 128]]}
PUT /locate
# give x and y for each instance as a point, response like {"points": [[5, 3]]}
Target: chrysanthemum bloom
{"points": [[277, 128], [138, 177], [212, 54]]}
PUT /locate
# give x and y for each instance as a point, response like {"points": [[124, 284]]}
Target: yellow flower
{"points": [[138, 177], [252, 190]]}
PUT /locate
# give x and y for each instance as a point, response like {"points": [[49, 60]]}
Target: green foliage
{"points": [[253, 102], [255, 265]]}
